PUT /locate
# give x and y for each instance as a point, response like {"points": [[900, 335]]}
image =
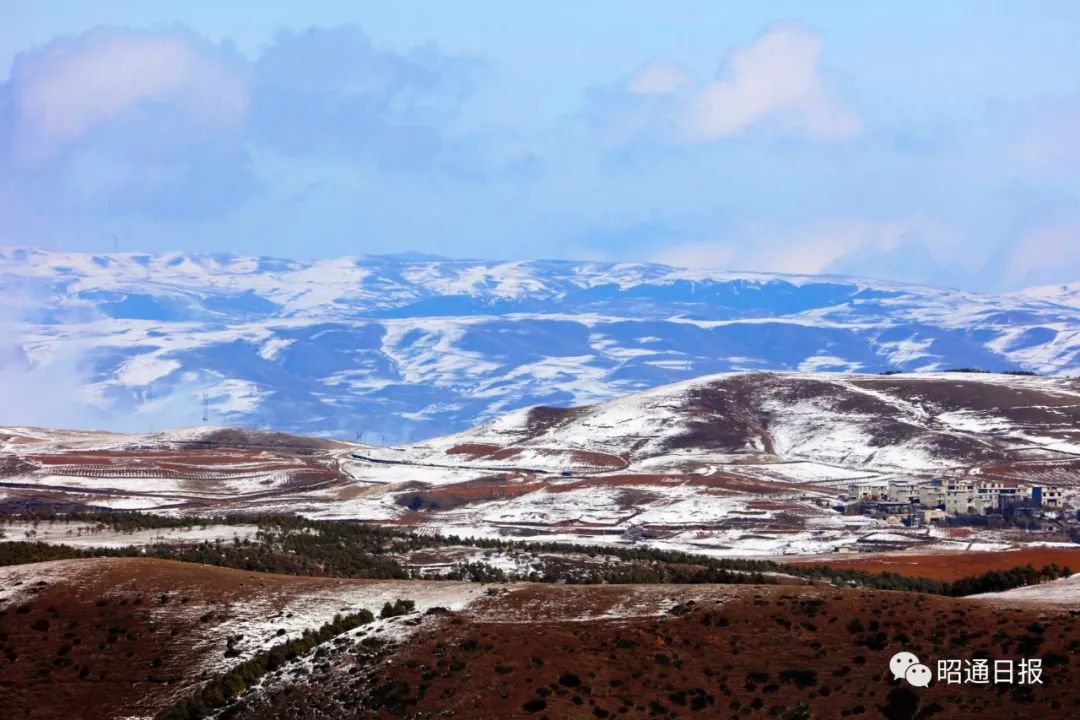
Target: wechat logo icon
{"points": [[906, 666]]}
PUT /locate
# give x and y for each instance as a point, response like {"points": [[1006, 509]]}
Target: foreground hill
{"points": [[405, 348], [124, 637], [734, 464], [757, 652], [108, 638]]}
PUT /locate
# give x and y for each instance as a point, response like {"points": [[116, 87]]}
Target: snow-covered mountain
{"points": [[1067, 294], [407, 347]]}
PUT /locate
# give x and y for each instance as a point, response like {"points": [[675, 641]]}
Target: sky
{"points": [[927, 142]]}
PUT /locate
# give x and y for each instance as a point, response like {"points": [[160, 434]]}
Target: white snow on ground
{"points": [[649, 415], [392, 474], [131, 503], [145, 369], [135, 485], [802, 472], [1062, 446], [988, 546], [686, 506], [819, 363], [259, 618], [800, 430], [812, 430], [1065, 591], [273, 347], [973, 422], [743, 543], [470, 362], [613, 507], [902, 352], [1065, 294], [235, 396], [295, 606], [327, 505], [595, 505], [887, 537], [110, 487], [81, 534], [514, 563]]}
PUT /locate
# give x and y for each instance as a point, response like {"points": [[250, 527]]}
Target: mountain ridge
{"points": [[406, 348]]}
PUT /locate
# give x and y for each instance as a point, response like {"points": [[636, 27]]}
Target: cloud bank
{"points": [[164, 123], [775, 84], [793, 155]]}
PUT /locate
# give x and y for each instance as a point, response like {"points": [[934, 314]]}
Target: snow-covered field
{"points": [[1063, 592], [261, 618], [87, 535]]}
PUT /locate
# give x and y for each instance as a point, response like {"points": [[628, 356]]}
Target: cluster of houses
{"points": [[926, 502]]}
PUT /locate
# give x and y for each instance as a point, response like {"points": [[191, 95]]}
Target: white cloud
{"points": [[813, 252], [658, 77], [888, 249], [775, 82], [775, 79], [1051, 144], [700, 255], [164, 123], [72, 86], [1046, 254], [807, 250]]}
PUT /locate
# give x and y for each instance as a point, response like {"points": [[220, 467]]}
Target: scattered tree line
{"points": [[19, 552], [1028, 373], [992, 581], [295, 545]]}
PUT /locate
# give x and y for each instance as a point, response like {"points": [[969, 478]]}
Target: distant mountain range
{"points": [[407, 347]]}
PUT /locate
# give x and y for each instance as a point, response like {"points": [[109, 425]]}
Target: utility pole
{"points": [[205, 409]]}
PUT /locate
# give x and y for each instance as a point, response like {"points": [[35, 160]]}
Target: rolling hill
{"points": [[732, 464]]}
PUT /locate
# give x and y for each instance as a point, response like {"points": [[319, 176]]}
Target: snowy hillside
{"points": [[737, 463], [403, 348], [1061, 294], [909, 423]]}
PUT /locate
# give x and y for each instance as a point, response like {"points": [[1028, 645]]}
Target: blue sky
{"points": [[924, 142]]}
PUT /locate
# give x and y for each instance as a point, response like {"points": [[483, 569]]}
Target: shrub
{"points": [[569, 680], [799, 678], [400, 607], [534, 705]]}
